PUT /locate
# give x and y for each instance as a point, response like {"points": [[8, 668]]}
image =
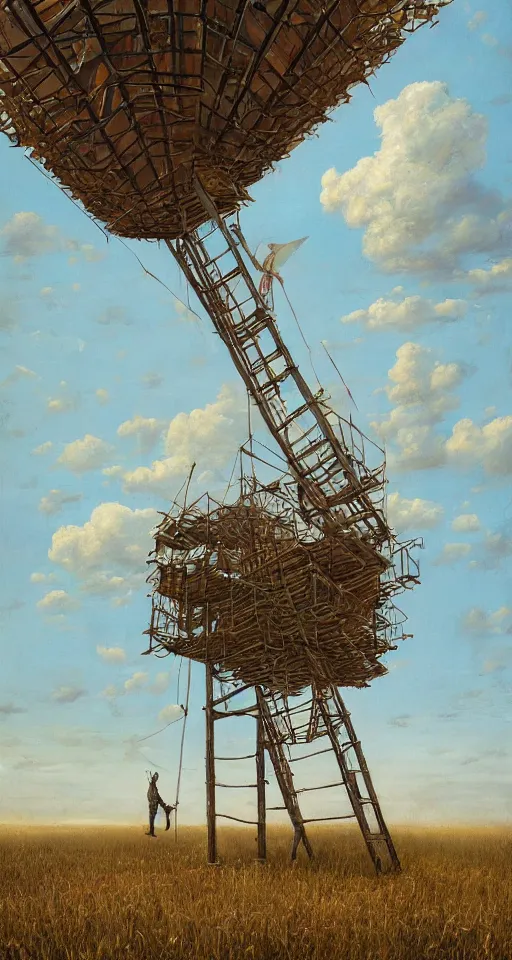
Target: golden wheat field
{"points": [[79, 894]]}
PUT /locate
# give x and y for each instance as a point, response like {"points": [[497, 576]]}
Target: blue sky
{"points": [[407, 274]]}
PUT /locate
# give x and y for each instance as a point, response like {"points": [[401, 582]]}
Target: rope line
{"points": [[108, 235], [295, 317], [180, 766], [159, 731]]}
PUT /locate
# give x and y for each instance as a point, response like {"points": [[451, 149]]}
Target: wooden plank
{"points": [[260, 776], [210, 769]]}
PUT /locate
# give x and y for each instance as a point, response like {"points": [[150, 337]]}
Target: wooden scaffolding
{"points": [[276, 732]]}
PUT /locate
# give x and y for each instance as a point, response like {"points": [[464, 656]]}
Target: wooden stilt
{"points": [[260, 779], [210, 769], [378, 842], [284, 778]]}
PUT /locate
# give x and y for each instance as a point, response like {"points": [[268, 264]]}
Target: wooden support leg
{"points": [[376, 841], [260, 780], [210, 770], [284, 778]]}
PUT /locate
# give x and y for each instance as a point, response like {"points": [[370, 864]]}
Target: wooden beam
{"points": [[210, 769], [260, 778]]}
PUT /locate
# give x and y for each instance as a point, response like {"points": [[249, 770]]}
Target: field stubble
{"points": [[103, 894]]}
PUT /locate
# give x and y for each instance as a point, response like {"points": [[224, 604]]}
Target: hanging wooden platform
{"points": [[125, 102]]}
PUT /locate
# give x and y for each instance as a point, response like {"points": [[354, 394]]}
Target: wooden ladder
{"points": [[277, 731], [217, 267]]}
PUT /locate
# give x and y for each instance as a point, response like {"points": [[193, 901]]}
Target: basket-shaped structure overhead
{"points": [[125, 101]]}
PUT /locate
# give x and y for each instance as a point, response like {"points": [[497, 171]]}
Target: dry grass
{"points": [[70, 894]]}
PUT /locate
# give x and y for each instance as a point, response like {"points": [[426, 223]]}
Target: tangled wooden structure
{"points": [[246, 586], [158, 115], [126, 101]]}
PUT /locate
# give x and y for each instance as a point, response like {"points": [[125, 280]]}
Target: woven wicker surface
{"points": [[125, 101], [240, 586]]}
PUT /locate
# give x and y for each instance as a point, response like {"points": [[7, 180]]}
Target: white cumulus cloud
{"points": [[89, 453], [111, 654], [146, 430], [496, 547], [26, 235], [152, 380], [466, 523], [171, 712], [43, 449], [489, 447], [421, 389], [61, 404], [208, 436], [42, 577], [478, 621], [55, 500], [498, 277], [452, 552], [109, 551], [185, 313], [416, 514], [408, 314], [136, 681], [57, 601], [67, 694], [417, 198]]}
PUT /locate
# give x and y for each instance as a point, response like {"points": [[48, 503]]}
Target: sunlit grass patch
{"points": [[79, 894]]}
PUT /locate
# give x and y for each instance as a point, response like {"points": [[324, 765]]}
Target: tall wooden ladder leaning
{"points": [[277, 733], [358, 782], [216, 262]]}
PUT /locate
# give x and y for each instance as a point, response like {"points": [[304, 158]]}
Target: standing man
{"points": [[155, 801]]}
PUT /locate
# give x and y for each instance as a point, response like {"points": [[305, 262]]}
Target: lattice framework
{"points": [[250, 586], [127, 101]]}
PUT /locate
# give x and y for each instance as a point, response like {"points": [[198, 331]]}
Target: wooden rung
{"points": [[265, 359], [326, 786], [233, 693], [279, 377], [308, 755], [236, 786], [248, 756], [253, 823], [303, 438], [252, 327], [299, 412], [217, 715], [345, 816], [224, 280]]}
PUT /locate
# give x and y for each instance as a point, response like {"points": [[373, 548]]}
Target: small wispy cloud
{"points": [[56, 500], [19, 373], [9, 709], [43, 449], [67, 694], [111, 654]]}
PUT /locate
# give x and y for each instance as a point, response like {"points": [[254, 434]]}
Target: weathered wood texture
{"points": [[125, 102], [244, 587], [210, 770]]}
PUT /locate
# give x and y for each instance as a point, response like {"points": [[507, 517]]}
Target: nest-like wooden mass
{"points": [[126, 101], [241, 587]]}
